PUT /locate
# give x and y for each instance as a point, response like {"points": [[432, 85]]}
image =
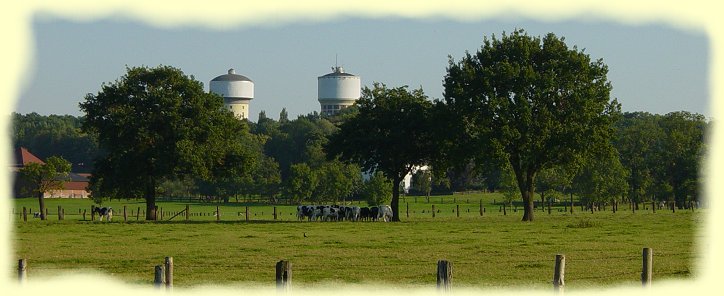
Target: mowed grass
{"points": [[602, 249]]}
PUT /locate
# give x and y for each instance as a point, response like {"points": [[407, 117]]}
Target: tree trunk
{"points": [[150, 196], [528, 193], [41, 200], [395, 203], [528, 205]]}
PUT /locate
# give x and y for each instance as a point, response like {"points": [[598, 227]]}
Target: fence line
{"points": [[163, 275], [274, 213]]}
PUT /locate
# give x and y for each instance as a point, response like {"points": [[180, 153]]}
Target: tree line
{"points": [[657, 158], [523, 115]]}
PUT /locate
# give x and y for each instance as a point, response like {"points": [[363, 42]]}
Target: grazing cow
{"points": [[353, 213], [330, 213], [36, 215], [364, 213], [375, 213], [385, 213], [315, 213], [104, 212], [300, 212], [305, 211], [342, 213]]}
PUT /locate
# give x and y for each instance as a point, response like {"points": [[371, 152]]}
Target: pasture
{"points": [[602, 248]]}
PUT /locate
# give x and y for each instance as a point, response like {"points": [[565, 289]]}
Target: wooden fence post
{"points": [[60, 215], [138, 211], [481, 207], [62, 212], [125, 214], [457, 210], [433, 211], [444, 275], [83, 214], [647, 269], [275, 213], [559, 274], [158, 277], [218, 215], [284, 276], [407, 209], [187, 212], [22, 270], [93, 213], [46, 214], [25, 214], [168, 263], [247, 213]]}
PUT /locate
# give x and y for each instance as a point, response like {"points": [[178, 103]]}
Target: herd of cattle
{"points": [[311, 213], [342, 213]]}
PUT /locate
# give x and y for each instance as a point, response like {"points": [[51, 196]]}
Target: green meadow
{"points": [[490, 251]]}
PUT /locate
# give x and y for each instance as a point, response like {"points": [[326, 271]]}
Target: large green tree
{"points": [[337, 181], [301, 183], [532, 101], [636, 137], [377, 190], [679, 154], [602, 178], [390, 134], [45, 177], [157, 123]]}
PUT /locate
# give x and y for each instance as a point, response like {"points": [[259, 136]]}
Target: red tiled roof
{"points": [[24, 157]]}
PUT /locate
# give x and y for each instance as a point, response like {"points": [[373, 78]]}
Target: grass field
{"points": [[495, 250]]}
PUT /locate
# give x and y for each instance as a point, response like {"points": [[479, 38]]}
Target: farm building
{"points": [[76, 187]]}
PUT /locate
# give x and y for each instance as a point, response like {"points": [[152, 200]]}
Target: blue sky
{"points": [[652, 67]]}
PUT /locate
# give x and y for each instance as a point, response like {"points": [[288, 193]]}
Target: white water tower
{"points": [[337, 90], [237, 90]]}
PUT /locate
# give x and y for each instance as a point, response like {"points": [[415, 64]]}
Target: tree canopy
{"points": [[156, 123], [390, 134], [532, 101], [45, 177]]}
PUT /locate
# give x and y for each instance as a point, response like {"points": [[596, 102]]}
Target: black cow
{"points": [[374, 213], [342, 213], [364, 213]]}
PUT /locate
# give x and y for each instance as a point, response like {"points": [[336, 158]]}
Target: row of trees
{"points": [[523, 112], [55, 135], [537, 112]]}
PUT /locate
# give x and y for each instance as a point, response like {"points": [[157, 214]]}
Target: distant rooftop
{"points": [[232, 76], [337, 71], [24, 157]]}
